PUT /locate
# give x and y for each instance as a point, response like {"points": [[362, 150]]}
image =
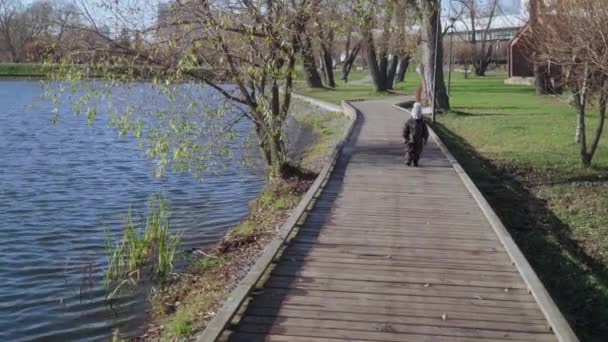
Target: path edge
{"points": [[557, 322], [229, 308]]}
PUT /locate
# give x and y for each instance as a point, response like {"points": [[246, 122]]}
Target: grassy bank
{"points": [[519, 149], [183, 308], [23, 70]]}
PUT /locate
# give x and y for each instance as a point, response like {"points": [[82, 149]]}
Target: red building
{"points": [[520, 55]]}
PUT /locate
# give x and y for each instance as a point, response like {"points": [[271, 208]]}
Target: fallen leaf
{"points": [[479, 297], [444, 316], [427, 285]]}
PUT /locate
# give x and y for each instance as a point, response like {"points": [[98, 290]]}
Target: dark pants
{"points": [[412, 152]]}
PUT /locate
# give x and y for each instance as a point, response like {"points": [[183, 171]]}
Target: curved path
{"points": [[390, 253]]}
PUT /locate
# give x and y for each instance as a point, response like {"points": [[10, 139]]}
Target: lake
{"points": [[61, 187]]}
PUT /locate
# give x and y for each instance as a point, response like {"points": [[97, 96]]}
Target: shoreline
{"points": [[190, 301]]}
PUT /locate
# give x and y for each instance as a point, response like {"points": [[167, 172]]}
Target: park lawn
{"points": [[519, 149], [353, 91], [353, 76]]}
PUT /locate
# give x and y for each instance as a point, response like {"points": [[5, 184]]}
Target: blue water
{"points": [[61, 187]]}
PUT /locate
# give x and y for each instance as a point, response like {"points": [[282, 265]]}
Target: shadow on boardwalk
{"points": [[574, 279]]}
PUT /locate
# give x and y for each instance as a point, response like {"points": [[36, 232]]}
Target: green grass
{"points": [[352, 91], [200, 265], [353, 76], [519, 149], [326, 128], [181, 324], [511, 123], [23, 70]]}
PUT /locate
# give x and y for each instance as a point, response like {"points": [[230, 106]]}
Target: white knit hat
{"points": [[417, 111]]}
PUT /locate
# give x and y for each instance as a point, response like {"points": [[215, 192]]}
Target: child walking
{"points": [[415, 135]]}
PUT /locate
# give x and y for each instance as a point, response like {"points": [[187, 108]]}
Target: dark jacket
{"points": [[415, 132]]}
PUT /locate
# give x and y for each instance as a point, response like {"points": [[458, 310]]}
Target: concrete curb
{"points": [[234, 302]]}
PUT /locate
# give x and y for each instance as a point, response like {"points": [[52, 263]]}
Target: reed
{"points": [[146, 250]]}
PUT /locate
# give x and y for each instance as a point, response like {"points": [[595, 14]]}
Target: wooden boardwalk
{"points": [[391, 253]]}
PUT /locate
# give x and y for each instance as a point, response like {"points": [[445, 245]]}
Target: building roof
{"points": [[512, 21]]}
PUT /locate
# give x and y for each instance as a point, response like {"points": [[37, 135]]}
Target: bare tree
{"points": [[350, 39], [10, 25], [306, 48], [351, 51], [478, 16], [379, 24], [406, 40], [27, 30], [369, 15], [572, 34], [432, 50], [326, 25]]}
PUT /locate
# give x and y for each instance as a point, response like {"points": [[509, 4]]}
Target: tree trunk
{"points": [[579, 128], [432, 44], [269, 129], [580, 98], [482, 62], [346, 67], [328, 67], [420, 89], [541, 76], [588, 156], [404, 62], [349, 61], [375, 69], [481, 68], [391, 71], [313, 79], [9, 43]]}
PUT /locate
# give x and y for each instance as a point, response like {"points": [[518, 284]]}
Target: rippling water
{"points": [[60, 188]]}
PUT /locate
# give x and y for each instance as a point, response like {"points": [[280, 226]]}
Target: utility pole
{"points": [[437, 29], [452, 21]]}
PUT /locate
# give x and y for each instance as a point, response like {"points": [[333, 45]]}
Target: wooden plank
{"points": [[403, 233], [406, 289], [262, 337], [418, 223], [396, 252], [448, 264], [397, 298], [470, 311], [398, 328], [389, 265], [434, 242], [422, 278], [355, 335], [290, 311]]}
